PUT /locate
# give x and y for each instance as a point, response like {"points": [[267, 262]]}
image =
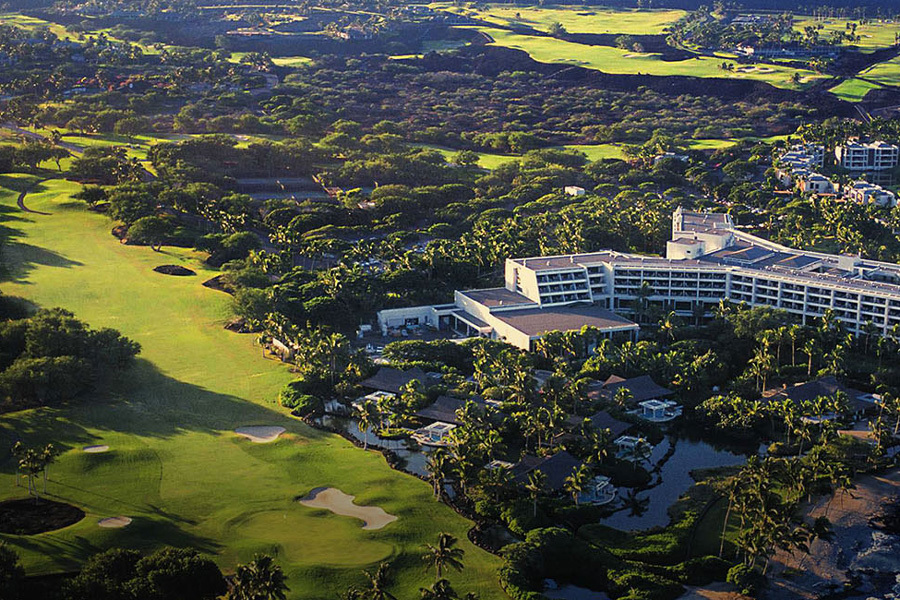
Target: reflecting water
{"points": [[649, 508], [571, 592], [412, 460]]}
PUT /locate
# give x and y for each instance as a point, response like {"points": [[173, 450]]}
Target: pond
{"points": [[650, 507], [570, 592], [414, 460]]}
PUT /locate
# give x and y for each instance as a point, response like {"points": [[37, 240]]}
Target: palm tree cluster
{"points": [[765, 497], [260, 579], [440, 557]]}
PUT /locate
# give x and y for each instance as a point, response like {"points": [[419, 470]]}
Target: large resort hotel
{"points": [[707, 260]]}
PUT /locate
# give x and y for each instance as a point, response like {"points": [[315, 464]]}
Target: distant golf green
{"points": [[623, 62], [174, 464], [853, 90], [874, 34], [578, 19], [884, 73]]}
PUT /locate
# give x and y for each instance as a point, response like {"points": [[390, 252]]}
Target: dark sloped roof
{"points": [[444, 409], [600, 421], [556, 468], [604, 420], [824, 386], [389, 379], [641, 388]]}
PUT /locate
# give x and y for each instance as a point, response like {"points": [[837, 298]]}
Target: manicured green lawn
{"points": [[580, 19], [622, 62], [32, 23], [175, 465], [885, 73], [281, 61], [853, 90], [875, 34]]}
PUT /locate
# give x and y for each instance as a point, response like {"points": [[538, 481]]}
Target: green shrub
{"points": [[700, 571], [639, 584], [301, 404], [745, 578]]}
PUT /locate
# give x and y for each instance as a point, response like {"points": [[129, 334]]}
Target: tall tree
{"points": [[443, 555], [260, 579]]}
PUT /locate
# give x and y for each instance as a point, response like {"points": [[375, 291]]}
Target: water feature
{"points": [[414, 457], [570, 592], [673, 480]]}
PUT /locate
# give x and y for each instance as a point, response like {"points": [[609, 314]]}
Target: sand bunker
{"points": [[340, 503], [115, 522], [95, 449], [261, 434]]}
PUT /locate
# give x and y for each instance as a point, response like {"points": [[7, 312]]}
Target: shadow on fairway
{"points": [[145, 402], [143, 534]]}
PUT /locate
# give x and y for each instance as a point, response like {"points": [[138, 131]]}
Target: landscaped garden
{"points": [[174, 465]]}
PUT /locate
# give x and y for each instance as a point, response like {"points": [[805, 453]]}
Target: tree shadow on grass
{"points": [[21, 258], [19, 184], [145, 402], [143, 534], [24, 258]]}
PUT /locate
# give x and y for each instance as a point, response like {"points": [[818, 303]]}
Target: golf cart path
{"points": [[20, 201]]}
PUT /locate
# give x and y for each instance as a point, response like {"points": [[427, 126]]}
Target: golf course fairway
{"points": [[174, 465]]}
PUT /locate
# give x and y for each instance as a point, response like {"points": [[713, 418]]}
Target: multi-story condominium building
{"points": [[707, 260], [867, 156], [863, 192], [814, 183], [810, 156], [800, 160]]}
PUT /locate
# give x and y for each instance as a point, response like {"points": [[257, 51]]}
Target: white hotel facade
{"points": [[707, 260]]}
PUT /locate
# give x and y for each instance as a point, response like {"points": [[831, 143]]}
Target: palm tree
{"points": [[535, 487], [668, 325], [575, 482], [378, 583], [622, 397], [794, 332], [366, 415], [443, 555], [441, 590], [437, 467], [732, 489], [260, 579], [492, 443], [810, 348], [761, 365]]}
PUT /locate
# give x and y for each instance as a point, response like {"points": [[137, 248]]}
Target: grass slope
{"points": [[621, 62], [579, 20], [853, 90], [175, 465], [875, 34]]}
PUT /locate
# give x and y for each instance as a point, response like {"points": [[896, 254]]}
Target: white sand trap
{"points": [[260, 435], [115, 522], [340, 503], [95, 449]]}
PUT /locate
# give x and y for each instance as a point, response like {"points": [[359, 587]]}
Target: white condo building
{"points": [[707, 260], [867, 156]]}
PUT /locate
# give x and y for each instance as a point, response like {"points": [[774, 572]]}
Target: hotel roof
{"points": [[535, 322], [493, 297]]}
